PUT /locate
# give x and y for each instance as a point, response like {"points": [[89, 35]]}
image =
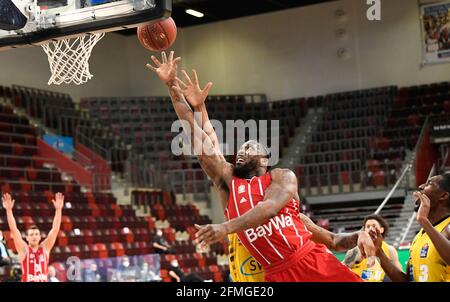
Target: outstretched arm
{"points": [[213, 162], [196, 97], [281, 190], [20, 244], [49, 242], [340, 242]]}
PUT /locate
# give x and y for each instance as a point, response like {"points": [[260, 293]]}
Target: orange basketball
{"points": [[158, 36]]}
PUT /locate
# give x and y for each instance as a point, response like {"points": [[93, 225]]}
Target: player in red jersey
{"points": [[261, 207], [34, 256]]}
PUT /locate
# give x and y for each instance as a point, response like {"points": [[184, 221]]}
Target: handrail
{"points": [[82, 159], [444, 162], [408, 227], [30, 157], [419, 140], [331, 152], [22, 145], [33, 183], [16, 125], [79, 134], [408, 167], [336, 162], [26, 169], [413, 216]]}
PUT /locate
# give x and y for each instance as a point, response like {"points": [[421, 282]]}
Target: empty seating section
{"points": [[338, 148], [89, 222], [145, 123], [349, 216], [412, 106], [21, 168], [58, 112], [376, 127], [182, 219], [93, 225]]}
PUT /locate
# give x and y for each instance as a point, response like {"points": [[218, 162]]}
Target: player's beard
{"points": [[244, 171]]}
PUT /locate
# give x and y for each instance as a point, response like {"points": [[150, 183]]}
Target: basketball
{"points": [[158, 36]]}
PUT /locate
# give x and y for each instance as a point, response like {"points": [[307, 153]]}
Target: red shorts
{"points": [[313, 263]]}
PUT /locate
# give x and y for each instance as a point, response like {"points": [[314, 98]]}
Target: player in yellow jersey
{"points": [[430, 251], [359, 265], [243, 267]]}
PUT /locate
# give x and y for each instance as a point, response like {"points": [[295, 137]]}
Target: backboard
{"points": [[49, 20]]}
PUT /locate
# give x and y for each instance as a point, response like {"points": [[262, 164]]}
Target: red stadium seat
{"points": [[62, 239], [118, 248], [379, 179], [75, 251], [66, 223], [446, 106], [88, 236], [102, 251], [218, 277], [126, 235]]}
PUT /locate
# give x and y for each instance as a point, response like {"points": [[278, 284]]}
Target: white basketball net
{"points": [[69, 59]]}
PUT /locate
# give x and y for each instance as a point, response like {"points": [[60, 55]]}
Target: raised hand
{"points": [[58, 202], [167, 70], [8, 202], [424, 208], [191, 89], [366, 245], [377, 239]]}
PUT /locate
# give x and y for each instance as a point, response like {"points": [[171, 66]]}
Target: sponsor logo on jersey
{"points": [[243, 199], [366, 274], [424, 251], [37, 278], [275, 224], [241, 189], [251, 267]]}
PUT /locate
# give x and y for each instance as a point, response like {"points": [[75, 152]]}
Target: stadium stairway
{"points": [[297, 143], [400, 223]]}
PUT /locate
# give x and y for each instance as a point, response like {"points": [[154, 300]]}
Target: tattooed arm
{"points": [[351, 257], [338, 242]]}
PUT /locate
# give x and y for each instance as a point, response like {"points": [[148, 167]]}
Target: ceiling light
{"points": [[194, 13]]}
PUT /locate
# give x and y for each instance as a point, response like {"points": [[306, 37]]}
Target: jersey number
{"points": [[423, 273], [377, 275]]}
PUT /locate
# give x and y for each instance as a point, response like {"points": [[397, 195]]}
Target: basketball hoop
{"points": [[69, 58]]}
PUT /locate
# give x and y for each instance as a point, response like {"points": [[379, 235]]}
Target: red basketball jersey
{"points": [[276, 239], [34, 266]]}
